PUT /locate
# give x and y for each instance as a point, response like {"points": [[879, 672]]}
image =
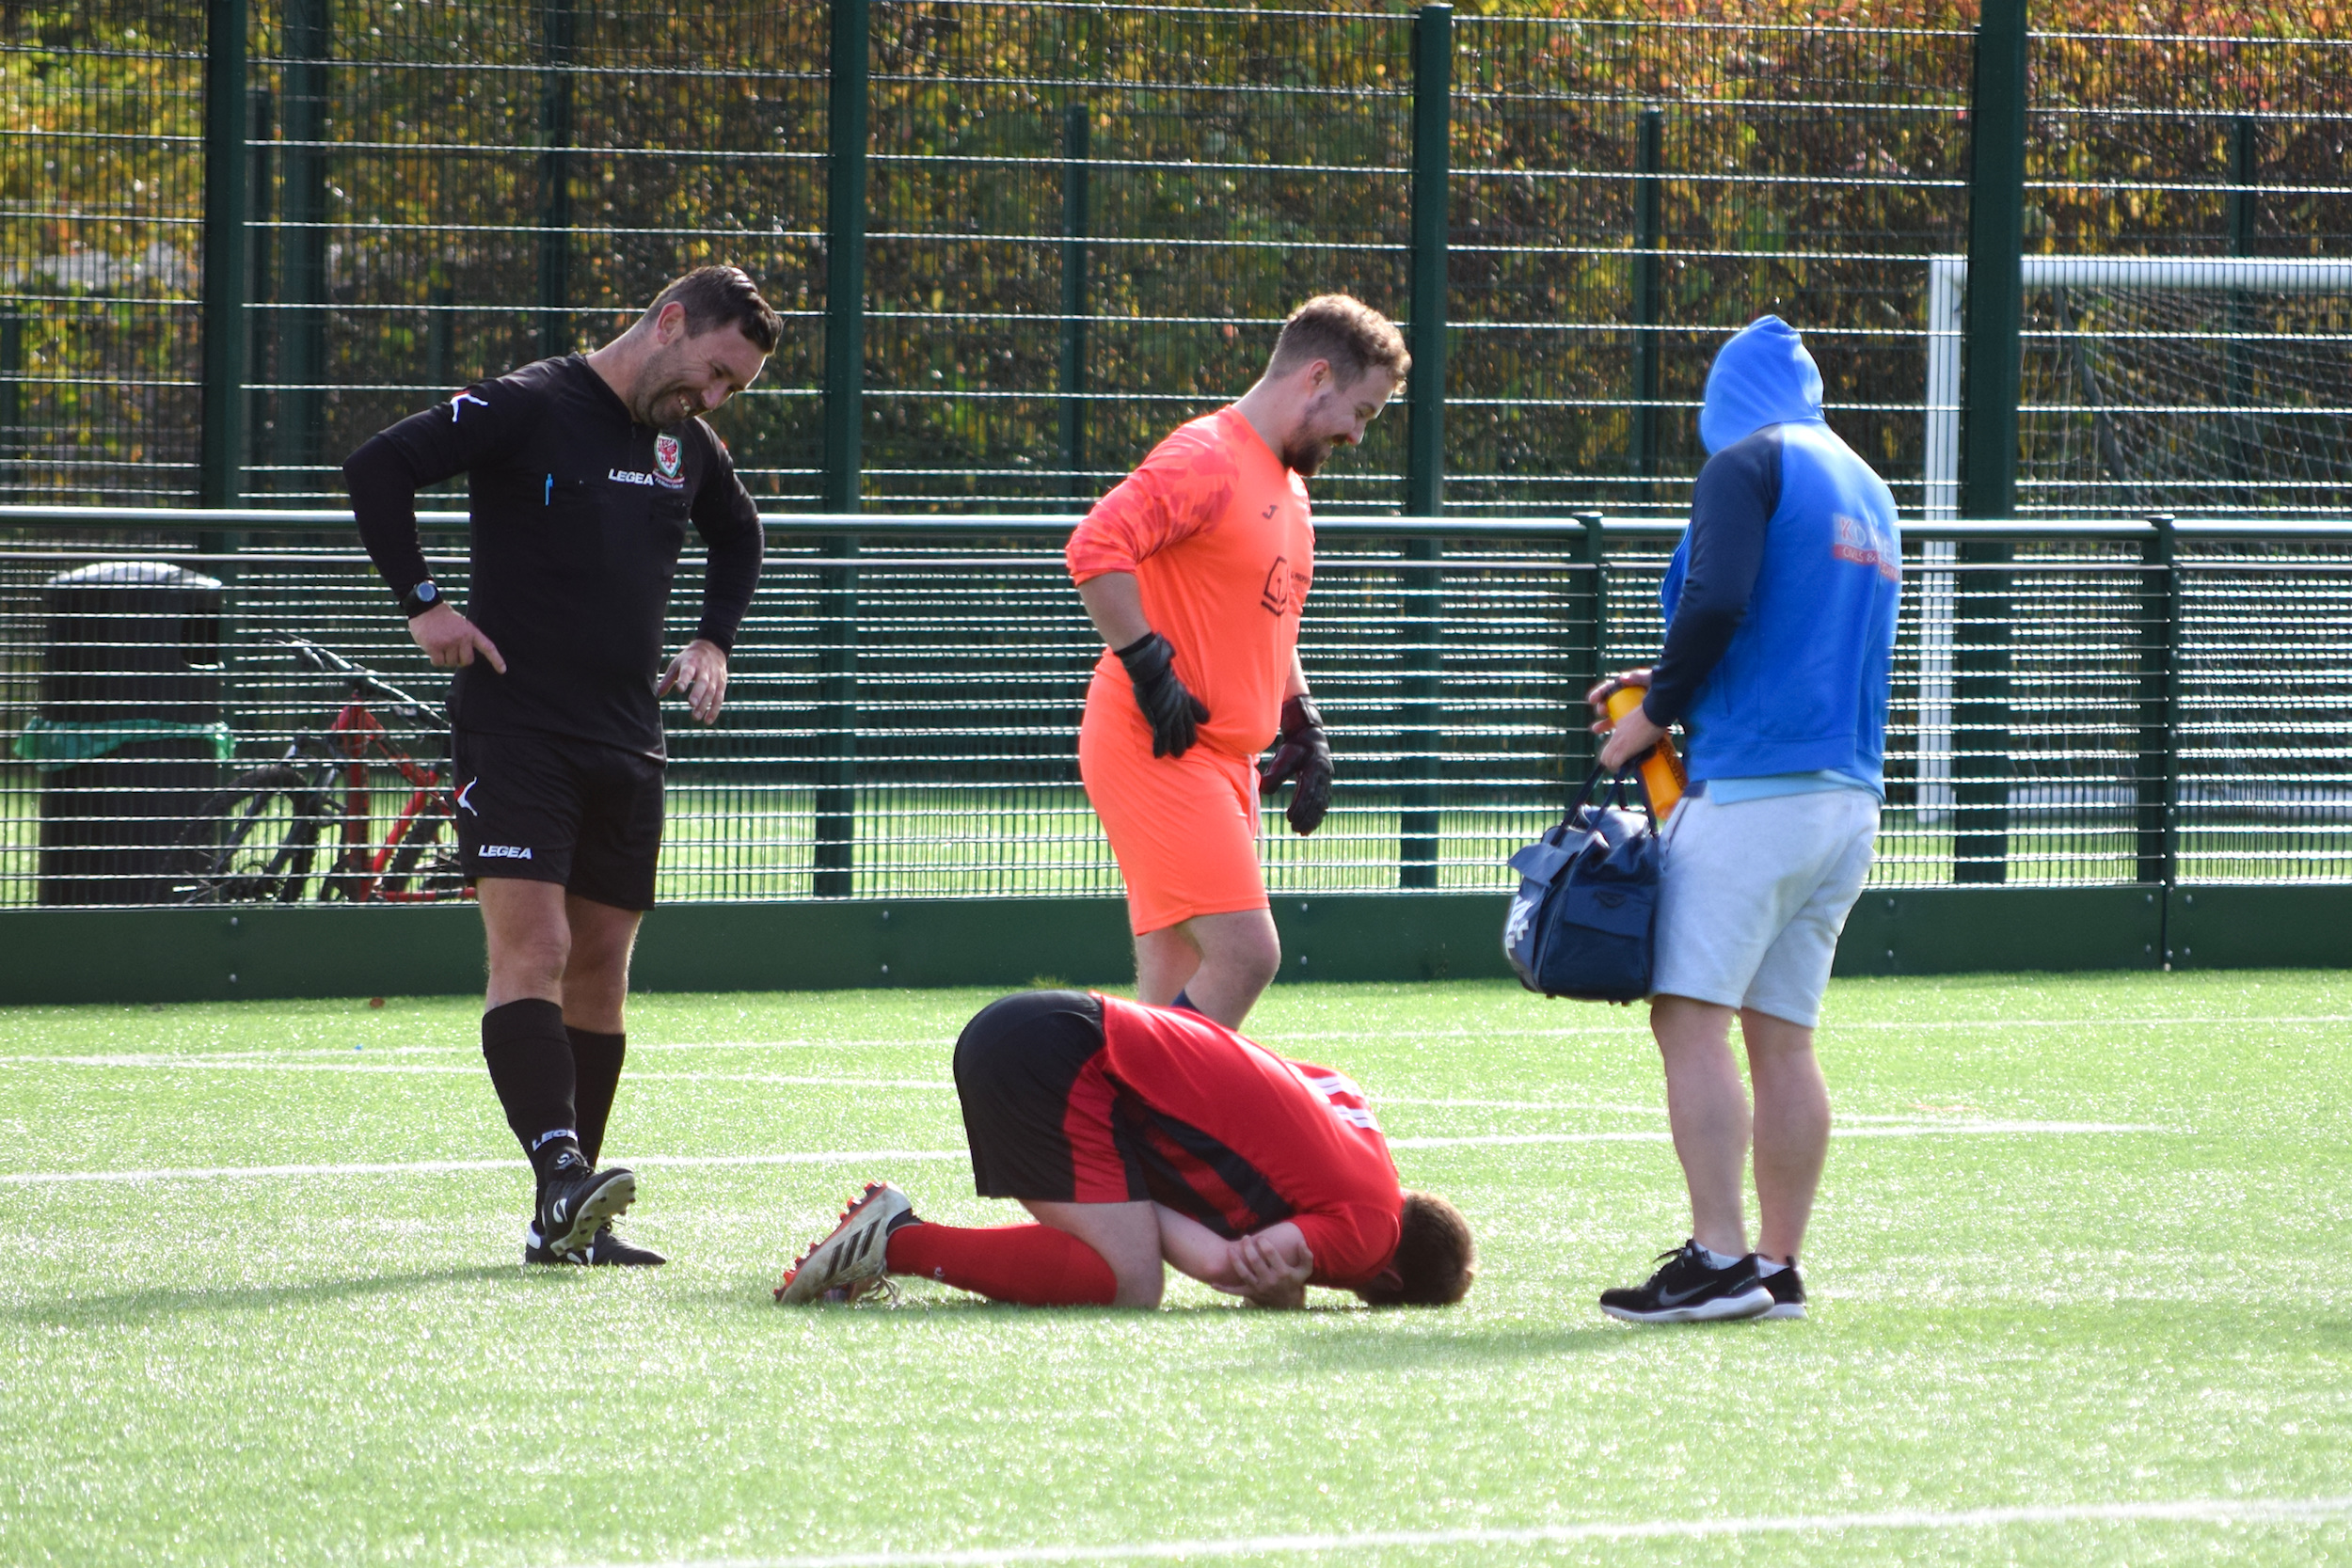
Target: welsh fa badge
{"points": [[667, 462]]}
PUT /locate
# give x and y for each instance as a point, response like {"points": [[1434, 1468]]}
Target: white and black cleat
{"points": [[605, 1249], [572, 1209], [853, 1261]]}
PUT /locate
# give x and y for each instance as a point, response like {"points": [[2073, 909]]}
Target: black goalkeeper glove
{"points": [[1174, 714], [1307, 753]]}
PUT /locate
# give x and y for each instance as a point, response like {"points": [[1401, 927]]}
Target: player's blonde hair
{"points": [[1344, 332]]}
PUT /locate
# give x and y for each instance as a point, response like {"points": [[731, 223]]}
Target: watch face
{"points": [[427, 593]]}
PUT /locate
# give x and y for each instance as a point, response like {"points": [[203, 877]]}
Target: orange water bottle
{"points": [[1661, 771]]}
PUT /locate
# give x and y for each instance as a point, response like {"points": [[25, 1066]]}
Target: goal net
{"points": [[2202, 387]]}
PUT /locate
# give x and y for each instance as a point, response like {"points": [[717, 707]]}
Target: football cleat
{"points": [[603, 1249], [852, 1260], [573, 1209], [1788, 1293], [1687, 1290]]}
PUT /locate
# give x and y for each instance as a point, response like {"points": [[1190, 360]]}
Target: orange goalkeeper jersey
{"points": [[1216, 530]]}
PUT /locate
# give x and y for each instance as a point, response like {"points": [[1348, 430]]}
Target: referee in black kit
{"points": [[584, 471]]}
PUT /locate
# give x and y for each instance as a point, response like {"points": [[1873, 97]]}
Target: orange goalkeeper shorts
{"points": [[1184, 829]]}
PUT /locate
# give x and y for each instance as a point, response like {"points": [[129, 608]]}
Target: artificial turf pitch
{"points": [[2082, 1275]]}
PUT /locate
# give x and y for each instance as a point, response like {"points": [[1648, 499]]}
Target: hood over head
{"points": [[1763, 376]]}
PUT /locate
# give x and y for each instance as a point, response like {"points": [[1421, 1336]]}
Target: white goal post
{"points": [[1948, 294], [1947, 298]]}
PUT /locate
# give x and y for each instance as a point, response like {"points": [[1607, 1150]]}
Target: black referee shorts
{"points": [[1038, 1108], [544, 808]]}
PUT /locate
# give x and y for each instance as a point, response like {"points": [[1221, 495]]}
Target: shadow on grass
{"points": [[134, 1306], [1436, 1347]]}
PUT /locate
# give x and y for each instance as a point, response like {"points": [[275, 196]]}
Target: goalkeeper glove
{"points": [[1307, 753], [1173, 713]]}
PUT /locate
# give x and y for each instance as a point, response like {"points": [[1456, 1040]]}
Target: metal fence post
{"points": [[440, 356], [1595, 649], [221, 451], [557, 32], [1420, 822], [1642, 439], [302, 246], [1997, 226], [1992, 373], [1075, 121], [835, 851], [2156, 782], [1433, 71], [2239, 209], [13, 442]]}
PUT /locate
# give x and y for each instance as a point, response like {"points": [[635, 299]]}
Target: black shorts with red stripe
{"points": [[1037, 1107]]}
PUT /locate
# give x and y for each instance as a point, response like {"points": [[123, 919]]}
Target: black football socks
{"points": [[530, 1064], [596, 1074]]}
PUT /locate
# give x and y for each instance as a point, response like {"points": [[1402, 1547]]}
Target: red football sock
{"points": [[1034, 1265]]}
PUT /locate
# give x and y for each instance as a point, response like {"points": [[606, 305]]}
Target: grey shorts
{"points": [[1755, 894]]}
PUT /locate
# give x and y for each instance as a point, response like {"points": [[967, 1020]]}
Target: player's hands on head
{"points": [[449, 640], [699, 673], [1174, 714], [1272, 1266], [1306, 755]]}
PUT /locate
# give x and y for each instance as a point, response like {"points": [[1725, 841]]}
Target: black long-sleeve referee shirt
{"points": [[578, 514]]}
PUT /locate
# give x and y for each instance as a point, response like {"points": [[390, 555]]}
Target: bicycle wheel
{"points": [[251, 843], [428, 859]]}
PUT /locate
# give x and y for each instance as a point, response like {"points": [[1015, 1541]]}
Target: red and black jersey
{"points": [[578, 514], [1240, 1138]]}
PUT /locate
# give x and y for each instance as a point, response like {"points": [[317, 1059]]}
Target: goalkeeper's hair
{"points": [[721, 297], [1436, 1260], [1345, 333]]}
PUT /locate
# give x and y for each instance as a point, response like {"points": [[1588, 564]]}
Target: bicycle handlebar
{"points": [[326, 661]]}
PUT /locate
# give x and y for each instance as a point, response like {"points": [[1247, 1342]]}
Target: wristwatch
{"points": [[424, 596]]}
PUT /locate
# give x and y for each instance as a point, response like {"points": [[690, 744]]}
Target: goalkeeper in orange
{"points": [[1194, 569]]}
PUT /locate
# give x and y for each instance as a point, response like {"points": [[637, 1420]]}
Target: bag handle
{"points": [[1614, 793]]}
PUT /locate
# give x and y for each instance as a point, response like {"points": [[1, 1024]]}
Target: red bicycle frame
{"points": [[359, 867]]}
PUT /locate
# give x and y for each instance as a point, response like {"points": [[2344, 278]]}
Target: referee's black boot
{"points": [[605, 1249], [576, 1202]]}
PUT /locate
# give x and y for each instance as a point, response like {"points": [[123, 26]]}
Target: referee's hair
{"points": [[722, 296], [1436, 1260], [1344, 331]]}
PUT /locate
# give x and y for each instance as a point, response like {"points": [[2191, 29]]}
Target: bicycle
{"points": [[257, 841]]}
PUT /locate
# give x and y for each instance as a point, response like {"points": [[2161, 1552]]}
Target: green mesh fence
{"points": [[2071, 704], [1082, 225]]}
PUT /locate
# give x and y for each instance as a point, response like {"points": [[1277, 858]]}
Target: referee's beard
{"points": [[677, 400]]}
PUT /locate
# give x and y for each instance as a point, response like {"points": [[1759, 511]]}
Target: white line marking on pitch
{"points": [[471, 1070], [454, 1168], [1921, 1130], [2216, 1510], [697, 1162], [639, 1047]]}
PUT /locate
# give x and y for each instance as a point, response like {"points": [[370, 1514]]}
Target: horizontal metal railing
{"points": [[2097, 702]]}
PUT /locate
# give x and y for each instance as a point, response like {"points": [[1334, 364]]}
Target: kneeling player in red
{"points": [[1141, 1136]]}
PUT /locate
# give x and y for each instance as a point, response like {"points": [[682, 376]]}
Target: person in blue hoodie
{"points": [[1780, 628]]}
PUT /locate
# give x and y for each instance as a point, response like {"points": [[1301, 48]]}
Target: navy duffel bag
{"points": [[1582, 923]]}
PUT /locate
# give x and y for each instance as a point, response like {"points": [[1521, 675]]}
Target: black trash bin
{"points": [[128, 739]]}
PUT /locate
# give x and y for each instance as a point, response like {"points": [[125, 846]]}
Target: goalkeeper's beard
{"points": [[1303, 456]]}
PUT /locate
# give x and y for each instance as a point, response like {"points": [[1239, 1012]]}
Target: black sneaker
{"points": [[604, 1249], [1788, 1293], [1687, 1290], [572, 1209]]}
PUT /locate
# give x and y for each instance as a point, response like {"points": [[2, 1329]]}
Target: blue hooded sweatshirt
{"points": [[1781, 598]]}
